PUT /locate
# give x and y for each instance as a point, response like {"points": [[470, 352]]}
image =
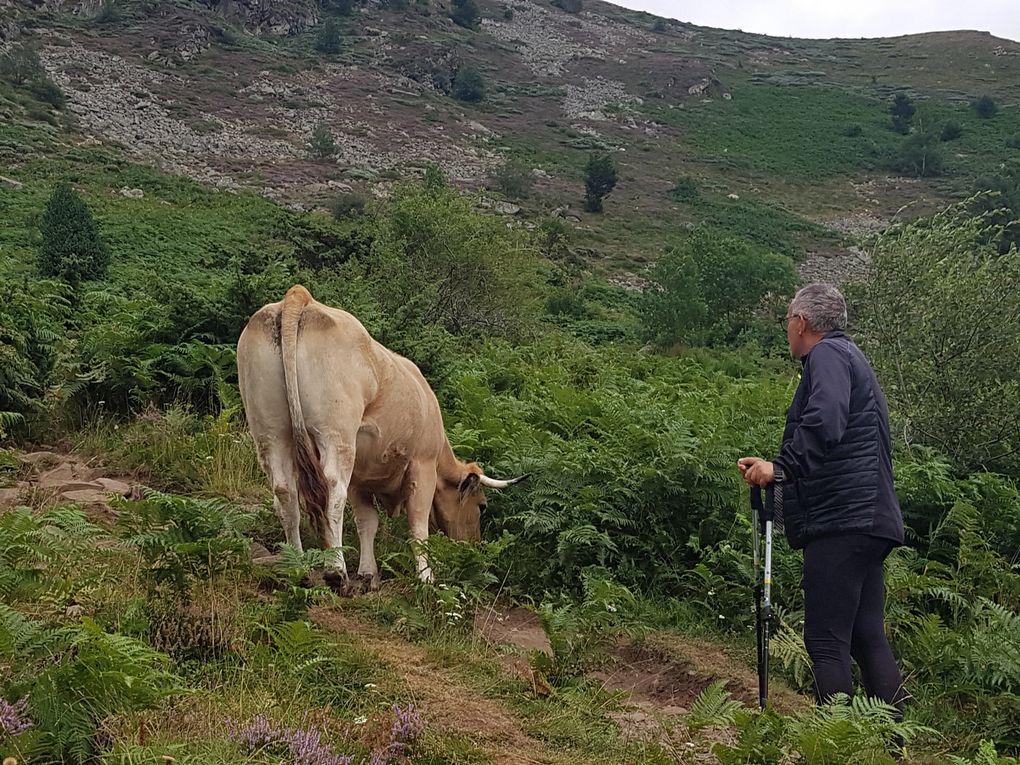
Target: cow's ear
{"points": [[469, 482]]}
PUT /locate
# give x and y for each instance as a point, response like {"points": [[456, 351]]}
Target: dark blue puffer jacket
{"points": [[836, 455]]}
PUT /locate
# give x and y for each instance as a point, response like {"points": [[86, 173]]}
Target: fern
{"points": [[712, 707]]}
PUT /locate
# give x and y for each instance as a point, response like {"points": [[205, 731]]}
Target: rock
{"points": [[132, 193], [10, 498], [86, 496], [506, 208], [74, 611], [10, 182], [113, 486], [41, 460], [733, 196], [57, 477]]}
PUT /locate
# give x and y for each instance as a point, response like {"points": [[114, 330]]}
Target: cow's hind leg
{"points": [[337, 459], [367, 519], [278, 464]]}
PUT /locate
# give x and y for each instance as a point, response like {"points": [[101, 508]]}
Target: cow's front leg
{"points": [[366, 517], [422, 490]]}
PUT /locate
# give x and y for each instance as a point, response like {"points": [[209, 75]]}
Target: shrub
{"points": [[600, 180], [465, 13], [985, 107], [438, 262], [570, 6], [328, 38], [1013, 142], [941, 305], [322, 145], [706, 289], [853, 130], [468, 85], [47, 91], [348, 205], [660, 25], [71, 248], [686, 189], [919, 155], [902, 111], [108, 13], [951, 131], [21, 64], [512, 179]]}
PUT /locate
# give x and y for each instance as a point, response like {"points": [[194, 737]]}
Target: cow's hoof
{"points": [[337, 581], [364, 583]]}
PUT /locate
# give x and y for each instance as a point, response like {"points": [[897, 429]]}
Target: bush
{"points": [[985, 107], [902, 111], [71, 248], [570, 6], [465, 13], [1013, 142], [47, 91], [919, 155], [706, 289], [328, 38], [951, 131], [512, 179], [660, 25], [685, 189], [349, 205], [468, 85], [322, 145], [21, 64], [600, 180], [938, 304], [854, 130], [440, 263]]}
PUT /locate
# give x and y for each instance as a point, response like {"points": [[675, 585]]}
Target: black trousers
{"points": [[844, 604]]}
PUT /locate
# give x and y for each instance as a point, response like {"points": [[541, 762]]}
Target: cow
{"points": [[337, 416]]}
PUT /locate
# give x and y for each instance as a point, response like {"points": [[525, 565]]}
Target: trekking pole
{"points": [[765, 513]]}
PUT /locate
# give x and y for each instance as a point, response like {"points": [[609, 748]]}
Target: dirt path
{"points": [[444, 699]]}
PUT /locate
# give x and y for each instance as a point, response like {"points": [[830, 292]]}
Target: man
{"points": [[840, 505]]}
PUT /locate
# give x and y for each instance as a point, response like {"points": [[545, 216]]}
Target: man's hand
{"points": [[756, 471]]}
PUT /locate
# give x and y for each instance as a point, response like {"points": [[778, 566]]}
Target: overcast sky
{"points": [[841, 18]]}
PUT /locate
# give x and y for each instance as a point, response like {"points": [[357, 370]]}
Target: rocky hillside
{"points": [[786, 131]]}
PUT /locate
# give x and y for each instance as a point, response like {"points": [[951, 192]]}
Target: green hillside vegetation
{"points": [[161, 632]]}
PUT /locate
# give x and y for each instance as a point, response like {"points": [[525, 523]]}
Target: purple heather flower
{"points": [[305, 747], [13, 717]]}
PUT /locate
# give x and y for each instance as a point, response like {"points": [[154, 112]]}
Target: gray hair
{"points": [[822, 305]]}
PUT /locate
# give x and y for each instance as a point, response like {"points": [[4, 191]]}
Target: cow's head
{"points": [[459, 501]]}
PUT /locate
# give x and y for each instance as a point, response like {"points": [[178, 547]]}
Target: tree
{"points": [[920, 155], [600, 179], [465, 13], [468, 85], [985, 107], [71, 248], [705, 290], [939, 314], [20, 65], [438, 262], [328, 39], [902, 111], [322, 144]]}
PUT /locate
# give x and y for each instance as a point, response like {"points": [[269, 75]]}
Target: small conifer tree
{"points": [[71, 248], [600, 179]]}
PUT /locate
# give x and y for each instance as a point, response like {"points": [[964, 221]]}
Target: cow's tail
{"points": [[312, 483]]}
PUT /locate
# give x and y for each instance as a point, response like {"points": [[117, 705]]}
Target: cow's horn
{"points": [[494, 483]]}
